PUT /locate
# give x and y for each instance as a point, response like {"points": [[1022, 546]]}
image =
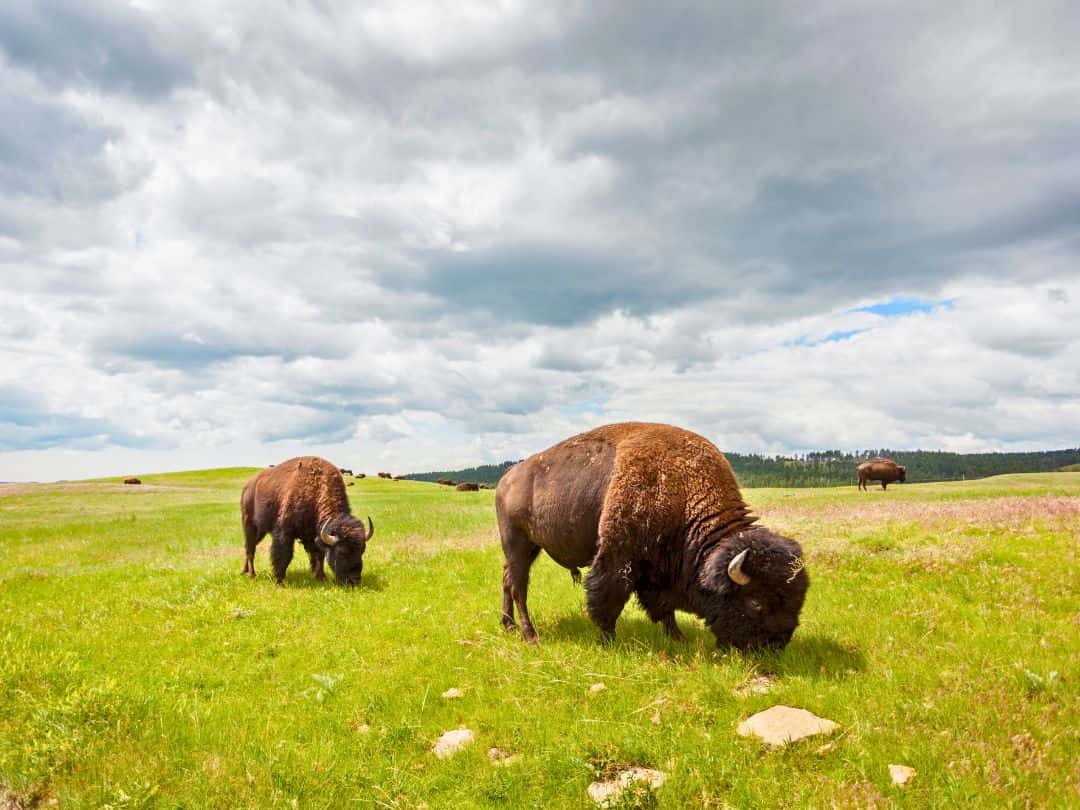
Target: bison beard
{"points": [[304, 499], [655, 511]]}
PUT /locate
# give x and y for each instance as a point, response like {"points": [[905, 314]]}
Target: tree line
{"points": [[829, 468]]}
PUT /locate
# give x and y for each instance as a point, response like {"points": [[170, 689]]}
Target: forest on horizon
{"points": [[829, 468]]}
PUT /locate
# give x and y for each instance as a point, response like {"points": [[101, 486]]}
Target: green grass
{"points": [[138, 668]]}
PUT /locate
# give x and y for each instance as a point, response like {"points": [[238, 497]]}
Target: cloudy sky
{"points": [[415, 236]]}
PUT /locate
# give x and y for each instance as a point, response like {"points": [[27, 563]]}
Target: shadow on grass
{"points": [[306, 581], [630, 630], [806, 654], [817, 655]]}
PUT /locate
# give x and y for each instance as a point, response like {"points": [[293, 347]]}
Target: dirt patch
{"points": [[990, 513], [12, 490]]}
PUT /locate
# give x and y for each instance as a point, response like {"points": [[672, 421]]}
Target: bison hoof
{"points": [[530, 637], [508, 622]]}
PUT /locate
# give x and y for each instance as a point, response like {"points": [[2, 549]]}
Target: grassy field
{"points": [[138, 668]]}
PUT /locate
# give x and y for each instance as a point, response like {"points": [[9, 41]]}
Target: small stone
{"points": [[824, 749], [452, 692], [597, 687], [608, 793], [758, 685], [901, 774], [655, 719], [500, 758], [452, 741], [783, 724]]}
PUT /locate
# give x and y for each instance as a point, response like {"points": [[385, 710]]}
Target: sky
{"points": [[414, 236]]}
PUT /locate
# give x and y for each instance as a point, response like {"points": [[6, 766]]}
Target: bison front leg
{"points": [[658, 609], [281, 552], [317, 557], [607, 587]]}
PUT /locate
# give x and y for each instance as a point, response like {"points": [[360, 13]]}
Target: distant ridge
{"points": [[834, 468]]}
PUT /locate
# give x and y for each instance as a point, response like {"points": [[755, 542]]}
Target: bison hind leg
{"points": [[520, 552]]}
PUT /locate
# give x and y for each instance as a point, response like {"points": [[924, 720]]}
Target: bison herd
{"points": [[653, 511]]}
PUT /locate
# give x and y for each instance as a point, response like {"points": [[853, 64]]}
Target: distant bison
{"points": [[385, 475], [360, 475], [467, 486], [446, 482], [655, 511], [345, 471], [304, 499], [132, 481], [884, 470]]}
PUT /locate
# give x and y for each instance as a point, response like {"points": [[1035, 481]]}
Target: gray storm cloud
{"points": [[437, 234]]}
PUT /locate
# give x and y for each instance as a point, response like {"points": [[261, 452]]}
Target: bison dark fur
{"points": [[884, 470], [304, 499], [467, 486], [132, 481], [655, 511]]}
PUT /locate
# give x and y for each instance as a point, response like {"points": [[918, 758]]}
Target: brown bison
{"points": [[446, 482], [132, 481], [304, 499], [466, 486], [655, 511], [883, 469]]}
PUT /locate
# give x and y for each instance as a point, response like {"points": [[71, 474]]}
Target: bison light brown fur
{"points": [[883, 469], [304, 499], [655, 511]]}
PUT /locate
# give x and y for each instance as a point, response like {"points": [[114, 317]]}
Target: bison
{"points": [[653, 510], [883, 469], [466, 486], [132, 481], [446, 482], [304, 499]]}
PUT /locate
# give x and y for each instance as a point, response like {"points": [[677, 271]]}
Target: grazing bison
{"points": [[446, 482], [385, 475], [883, 469], [132, 481], [654, 510], [467, 486], [304, 499]]}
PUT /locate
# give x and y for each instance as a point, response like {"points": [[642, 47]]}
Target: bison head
{"points": [[755, 583], [903, 474], [345, 540]]}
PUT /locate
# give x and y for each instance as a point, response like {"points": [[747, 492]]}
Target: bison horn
{"points": [[328, 539], [734, 569], [370, 527]]}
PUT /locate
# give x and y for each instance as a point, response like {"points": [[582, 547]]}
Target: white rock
{"points": [[451, 693], [606, 793], [597, 687], [901, 774], [783, 724], [453, 741]]}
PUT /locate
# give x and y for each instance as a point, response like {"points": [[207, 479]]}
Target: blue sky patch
{"points": [[898, 307]]}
